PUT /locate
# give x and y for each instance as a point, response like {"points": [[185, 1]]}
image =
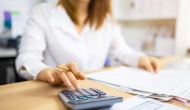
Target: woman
{"points": [[77, 33]]}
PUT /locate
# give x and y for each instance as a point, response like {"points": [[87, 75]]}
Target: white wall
{"points": [[21, 6], [174, 14], [120, 8], [183, 28]]}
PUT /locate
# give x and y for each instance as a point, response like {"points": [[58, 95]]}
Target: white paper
{"points": [[140, 93], [140, 103], [161, 83], [160, 97], [183, 91], [125, 89]]}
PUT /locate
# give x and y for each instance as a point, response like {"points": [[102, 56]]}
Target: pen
{"points": [[63, 67]]}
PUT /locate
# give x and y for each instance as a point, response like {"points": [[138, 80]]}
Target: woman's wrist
{"points": [[48, 75], [42, 75]]}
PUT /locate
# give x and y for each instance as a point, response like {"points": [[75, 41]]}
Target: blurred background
{"points": [[159, 28]]}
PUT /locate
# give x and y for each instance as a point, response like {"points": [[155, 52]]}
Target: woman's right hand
{"points": [[57, 76]]}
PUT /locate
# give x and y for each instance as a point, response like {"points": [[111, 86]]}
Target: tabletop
{"points": [[38, 95]]}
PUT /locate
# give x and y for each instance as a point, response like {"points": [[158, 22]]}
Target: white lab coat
{"points": [[51, 38]]}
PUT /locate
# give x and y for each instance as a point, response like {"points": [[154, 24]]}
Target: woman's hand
{"points": [[150, 64], [57, 76]]}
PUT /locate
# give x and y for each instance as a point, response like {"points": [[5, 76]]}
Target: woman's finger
{"points": [[73, 80], [148, 66], [81, 76], [155, 63], [62, 75], [49, 76], [74, 69]]}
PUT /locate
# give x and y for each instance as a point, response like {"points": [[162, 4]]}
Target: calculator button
{"points": [[88, 90], [81, 100], [102, 96], [91, 92], [81, 97], [76, 92], [95, 94], [64, 91], [98, 91], [102, 93], [85, 93], [67, 94], [72, 98], [81, 90], [89, 96]]}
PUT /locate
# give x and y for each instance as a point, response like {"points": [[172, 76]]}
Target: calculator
{"points": [[88, 98]]}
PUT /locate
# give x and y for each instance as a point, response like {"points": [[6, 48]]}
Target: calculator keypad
{"points": [[90, 91], [83, 94]]}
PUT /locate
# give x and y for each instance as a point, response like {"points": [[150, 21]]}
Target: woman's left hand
{"points": [[150, 64]]}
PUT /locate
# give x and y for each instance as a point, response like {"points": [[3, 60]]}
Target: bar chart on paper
{"points": [[140, 103], [148, 105]]}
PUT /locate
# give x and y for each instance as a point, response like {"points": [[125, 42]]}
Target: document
{"points": [[140, 93], [125, 89], [162, 83], [140, 103], [183, 91]]}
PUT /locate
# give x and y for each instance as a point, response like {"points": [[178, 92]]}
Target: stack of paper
{"points": [[166, 85]]}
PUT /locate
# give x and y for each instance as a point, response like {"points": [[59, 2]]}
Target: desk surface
{"points": [[39, 95]]}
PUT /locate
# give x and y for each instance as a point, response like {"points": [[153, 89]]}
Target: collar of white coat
{"points": [[61, 19]]}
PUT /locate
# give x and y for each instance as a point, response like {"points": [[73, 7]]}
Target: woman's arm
{"points": [[32, 46], [30, 63], [121, 51]]}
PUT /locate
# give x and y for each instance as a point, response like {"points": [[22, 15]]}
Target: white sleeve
{"points": [[32, 46], [121, 51]]}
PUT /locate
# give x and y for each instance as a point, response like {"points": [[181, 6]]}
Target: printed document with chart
{"points": [[140, 103]]}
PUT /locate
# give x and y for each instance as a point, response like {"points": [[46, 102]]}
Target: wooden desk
{"points": [[37, 95]]}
